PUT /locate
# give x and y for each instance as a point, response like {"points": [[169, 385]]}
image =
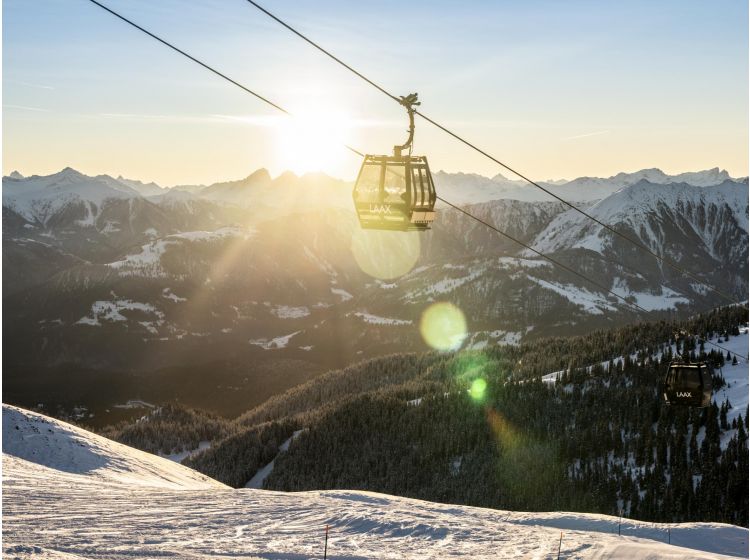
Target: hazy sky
{"points": [[557, 89]]}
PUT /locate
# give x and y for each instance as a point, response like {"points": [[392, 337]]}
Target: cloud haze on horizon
{"points": [[556, 90]]}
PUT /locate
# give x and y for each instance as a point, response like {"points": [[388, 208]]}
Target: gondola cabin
{"points": [[687, 384], [396, 192]]}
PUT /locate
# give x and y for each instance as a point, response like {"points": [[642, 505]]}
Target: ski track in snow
{"points": [[257, 480], [69, 494], [182, 455]]}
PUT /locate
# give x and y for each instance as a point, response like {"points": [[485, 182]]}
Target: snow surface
{"points": [[445, 285], [377, 320], [737, 389], [274, 343], [220, 233], [668, 299], [592, 303], [480, 339], [69, 494], [287, 312], [597, 304], [103, 310], [168, 294], [507, 262], [343, 294], [147, 262]]}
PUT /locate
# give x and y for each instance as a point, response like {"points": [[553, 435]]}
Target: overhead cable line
{"points": [[183, 53], [354, 150], [474, 147]]}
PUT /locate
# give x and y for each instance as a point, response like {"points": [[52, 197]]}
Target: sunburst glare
{"points": [[312, 140]]}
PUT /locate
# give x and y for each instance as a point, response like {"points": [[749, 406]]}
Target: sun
{"points": [[313, 140]]}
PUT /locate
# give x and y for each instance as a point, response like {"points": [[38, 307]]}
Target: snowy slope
{"points": [[738, 381], [70, 494], [147, 261], [40, 447], [649, 210]]}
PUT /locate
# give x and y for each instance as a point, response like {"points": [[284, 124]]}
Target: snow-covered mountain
{"points": [[70, 494], [39, 199], [649, 210], [115, 281], [703, 229], [467, 188]]}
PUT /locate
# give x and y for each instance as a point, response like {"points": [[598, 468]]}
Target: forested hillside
{"points": [[558, 424]]}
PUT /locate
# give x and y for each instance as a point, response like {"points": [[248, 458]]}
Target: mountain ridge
{"points": [[174, 282]]}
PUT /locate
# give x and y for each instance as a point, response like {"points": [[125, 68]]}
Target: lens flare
{"points": [[528, 467], [477, 389], [504, 431], [385, 254], [443, 326]]}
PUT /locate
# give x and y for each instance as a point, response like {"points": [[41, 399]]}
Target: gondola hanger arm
{"points": [[410, 102]]}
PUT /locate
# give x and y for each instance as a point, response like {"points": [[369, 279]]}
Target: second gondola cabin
{"points": [[687, 384], [396, 192]]}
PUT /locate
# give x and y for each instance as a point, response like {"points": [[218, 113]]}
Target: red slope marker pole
{"points": [[325, 550]]}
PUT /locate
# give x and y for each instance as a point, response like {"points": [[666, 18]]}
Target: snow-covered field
{"points": [[69, 494]]}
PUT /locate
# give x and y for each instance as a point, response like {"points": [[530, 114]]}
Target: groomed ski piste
{"points": [[70, 494]]}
